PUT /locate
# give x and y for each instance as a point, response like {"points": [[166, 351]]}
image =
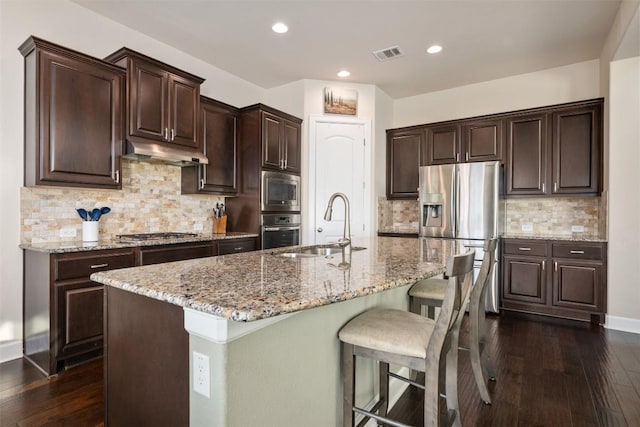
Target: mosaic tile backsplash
{"points": [[546, 216], [150, 201]]}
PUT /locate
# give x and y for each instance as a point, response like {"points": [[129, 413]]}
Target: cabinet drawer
{"points": [[236, 246], [74, 266], [525, 247], [578, 251], [157, 255]]}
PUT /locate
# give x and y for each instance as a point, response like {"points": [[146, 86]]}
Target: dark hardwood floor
{"points": [[547, 375]]}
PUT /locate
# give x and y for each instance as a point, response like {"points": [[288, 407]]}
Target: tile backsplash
{"points": [[150, 201], [545, 216]]}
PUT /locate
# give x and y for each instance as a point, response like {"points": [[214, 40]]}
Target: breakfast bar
{"points": [[253, 340]]}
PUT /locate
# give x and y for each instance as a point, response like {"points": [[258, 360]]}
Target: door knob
{"points": [[319, 229]]}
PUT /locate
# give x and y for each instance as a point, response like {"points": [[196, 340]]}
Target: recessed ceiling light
{"points": [[343, 73], [280, 28], [434, 49]]}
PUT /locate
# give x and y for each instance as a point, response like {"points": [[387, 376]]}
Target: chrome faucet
{"points": [[346, 235]]}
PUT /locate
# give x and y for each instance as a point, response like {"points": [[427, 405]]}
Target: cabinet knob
{"points": [[319, 229], [165, 136], [94, 266], [524, 249], [173, 135], [201, 183], [577, 252]]}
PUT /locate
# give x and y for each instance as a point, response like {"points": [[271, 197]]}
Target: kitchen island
{"points": [[264, 324]]}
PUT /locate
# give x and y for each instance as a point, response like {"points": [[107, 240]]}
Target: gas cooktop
{"points": [[154, 236]]}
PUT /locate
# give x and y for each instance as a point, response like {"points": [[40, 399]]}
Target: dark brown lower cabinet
{"points": [[63, 309], [177, 252], [555, 278], [146, 362], [235, 246]]}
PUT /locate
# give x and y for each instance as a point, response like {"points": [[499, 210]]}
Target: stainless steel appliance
{"points": [[280, 230], [280, 192], [460, 201]]}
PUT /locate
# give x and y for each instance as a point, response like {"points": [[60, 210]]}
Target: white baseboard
{"points": [[623, 324], [10, 350]]}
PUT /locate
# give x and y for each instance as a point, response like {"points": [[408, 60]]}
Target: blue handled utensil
{"points": [[83, 214]]}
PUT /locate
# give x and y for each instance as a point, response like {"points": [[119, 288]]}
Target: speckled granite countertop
{"points": [[578, 237], [256, 285], [79, 246], [572, 238]]}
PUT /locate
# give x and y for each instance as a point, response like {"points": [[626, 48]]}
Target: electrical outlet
{"points": [[197, 226], [577, 229], [68, 232], [527, 228], [201, 374]]}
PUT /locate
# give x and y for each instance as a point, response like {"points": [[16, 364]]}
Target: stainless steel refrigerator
{"points": [[460, 201]]}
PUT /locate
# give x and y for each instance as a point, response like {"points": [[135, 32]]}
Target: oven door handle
{"points": [[281, 228]]}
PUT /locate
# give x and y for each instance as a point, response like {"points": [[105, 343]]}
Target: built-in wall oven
{"points": [[281, 229], [280, 192]]}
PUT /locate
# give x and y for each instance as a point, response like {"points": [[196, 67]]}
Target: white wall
{"points": [[73, 26], [314, 105], [553, 86], [383, 121], [624, 196]]}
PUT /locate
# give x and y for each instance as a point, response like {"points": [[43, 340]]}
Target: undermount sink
{"points": [[314, 251]]}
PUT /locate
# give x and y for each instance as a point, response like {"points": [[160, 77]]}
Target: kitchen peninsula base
{"points": [[277, 371]]}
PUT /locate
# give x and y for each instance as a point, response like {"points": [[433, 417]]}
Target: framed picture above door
{"points": [[340, 101]]}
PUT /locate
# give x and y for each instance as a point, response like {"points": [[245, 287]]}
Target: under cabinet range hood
{"points": [[161, 153]]}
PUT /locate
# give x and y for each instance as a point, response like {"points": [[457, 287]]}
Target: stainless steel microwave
{"points": [[280, 192]]}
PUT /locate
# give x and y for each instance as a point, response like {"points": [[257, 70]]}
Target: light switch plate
{"points": [[197, 226], [527, 228], [577, 229]]}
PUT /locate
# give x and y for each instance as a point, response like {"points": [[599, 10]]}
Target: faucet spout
{"points": [[346, 235]]}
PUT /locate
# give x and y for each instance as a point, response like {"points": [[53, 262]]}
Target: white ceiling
{"points": [[482, 39]]}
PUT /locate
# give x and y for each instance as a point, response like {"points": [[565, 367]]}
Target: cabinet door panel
{"points": [[219, 141], [184, 101], [576, 147], [524, 279], [79, 317], [482, 141], [403, 153], [291, 145], [526, 155], [442, 146], [577, 285], [81, 122], [148, 92], [271, 141]]}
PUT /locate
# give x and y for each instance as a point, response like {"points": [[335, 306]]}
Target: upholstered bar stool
{"points": [[407, 339], [431, 293]]}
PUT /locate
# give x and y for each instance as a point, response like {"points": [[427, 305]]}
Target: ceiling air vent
{"points": [[388, 53]]}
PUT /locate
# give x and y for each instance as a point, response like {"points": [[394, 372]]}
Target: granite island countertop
{"points": [[79, 246], [258, 285]]}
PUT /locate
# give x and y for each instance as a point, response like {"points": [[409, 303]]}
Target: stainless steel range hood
{"points": [[161, 153]]}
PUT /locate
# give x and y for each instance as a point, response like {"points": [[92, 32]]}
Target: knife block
{"points": [[220, 225]]}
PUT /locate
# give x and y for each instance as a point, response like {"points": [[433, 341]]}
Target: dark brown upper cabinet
{"points": [[218, 138], [403, 162], [555, 151], [162, 101], [526, 165], [546, 151], [459, 142], [280, 142], [482, 141], [73, 117], [442, 145], [577, 142]]}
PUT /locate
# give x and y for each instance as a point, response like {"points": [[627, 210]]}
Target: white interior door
{"points": [[339, 167]]}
